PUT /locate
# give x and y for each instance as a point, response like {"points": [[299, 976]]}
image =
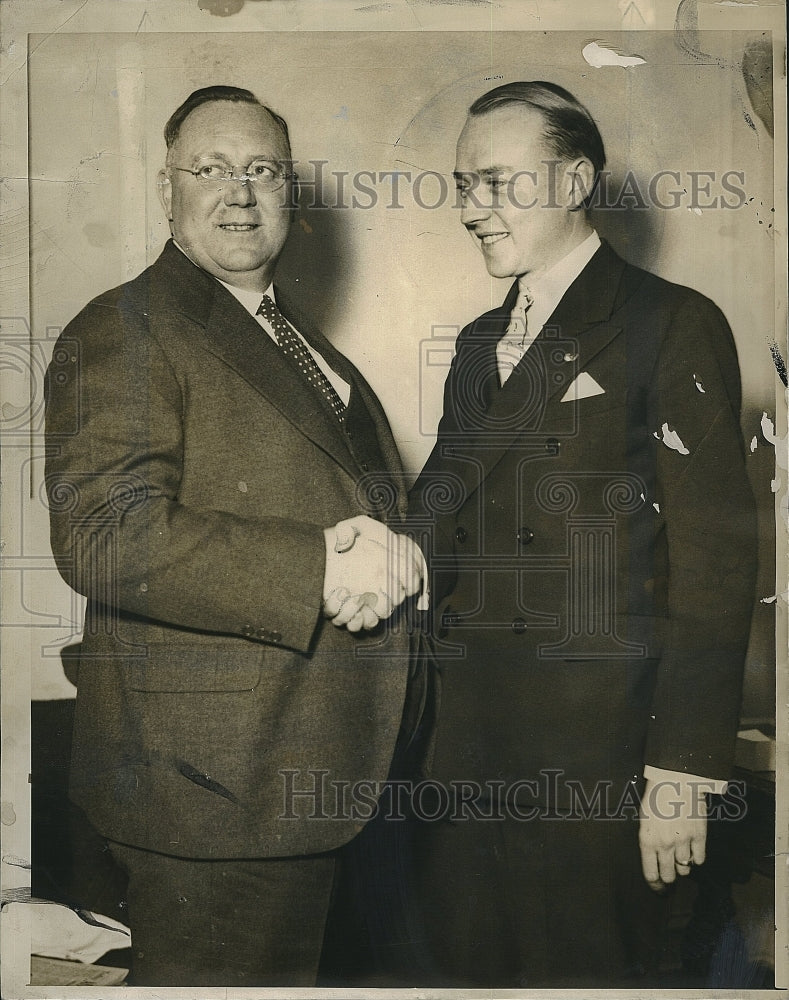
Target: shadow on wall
{"points": [[633, 228], [316, 265]]}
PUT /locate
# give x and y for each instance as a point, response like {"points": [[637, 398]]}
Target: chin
{"points": [[500, 271]]}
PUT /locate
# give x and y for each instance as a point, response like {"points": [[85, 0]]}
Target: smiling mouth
{"points": [[488, 239], [238, 227]]}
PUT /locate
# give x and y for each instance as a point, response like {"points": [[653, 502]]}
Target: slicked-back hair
{"points": [[207, 95], [568, 129]]}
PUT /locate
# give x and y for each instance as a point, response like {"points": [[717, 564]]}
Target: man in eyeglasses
{"points": [[213, 469]]}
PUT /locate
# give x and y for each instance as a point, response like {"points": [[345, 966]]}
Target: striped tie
{"points": [[293, 347], [513, 345], [518, 326]]}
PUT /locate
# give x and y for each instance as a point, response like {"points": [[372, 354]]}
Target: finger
{"points": [[698, 848], [333, 603], [683, 867], [649, 865], [405, 577], [666, 867], [371, 618], [413, 581], [350, 607], [356, 622], [365, 618], [416, 568], [346, 535], [383, 606]]}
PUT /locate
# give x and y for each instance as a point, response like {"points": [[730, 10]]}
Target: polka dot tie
{"points": [[293, 347]]}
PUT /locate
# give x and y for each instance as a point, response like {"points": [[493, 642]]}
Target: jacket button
{"points": [[552, 446], [518, 626], [262, 633], [461, 534], [276, 637], [525, 536], [247, 631]]}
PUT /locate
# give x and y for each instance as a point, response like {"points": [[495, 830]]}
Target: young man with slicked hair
{"points": [[592, 580]]}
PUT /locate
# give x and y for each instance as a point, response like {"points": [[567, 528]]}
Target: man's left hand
{"points": [[673, 830]]}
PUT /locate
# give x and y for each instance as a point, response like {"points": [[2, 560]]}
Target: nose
{"points": [[239, 192], [472, 210]]}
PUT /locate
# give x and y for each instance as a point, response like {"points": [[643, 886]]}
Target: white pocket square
{"points": [[581, 388]]}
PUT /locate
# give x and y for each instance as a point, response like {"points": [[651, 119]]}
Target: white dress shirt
{"points": [[546, 291]]}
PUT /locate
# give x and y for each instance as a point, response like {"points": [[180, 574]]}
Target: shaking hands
{"points": [[370, 571]]}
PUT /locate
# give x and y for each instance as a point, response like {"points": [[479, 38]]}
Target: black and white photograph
{"points": [[394, 498]]}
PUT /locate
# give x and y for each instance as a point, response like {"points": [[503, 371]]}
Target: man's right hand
{"points": [[370, 571]]}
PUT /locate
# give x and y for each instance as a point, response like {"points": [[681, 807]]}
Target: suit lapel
{"points": [[233, 336], [359, 385], [586, 312], [579, 328]]}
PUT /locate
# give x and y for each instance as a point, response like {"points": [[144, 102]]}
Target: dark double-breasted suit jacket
{"points": [[191, 473], [593, 557]]}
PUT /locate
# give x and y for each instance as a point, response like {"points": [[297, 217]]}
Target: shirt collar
{"points": [[249, 300], [548, 290]]}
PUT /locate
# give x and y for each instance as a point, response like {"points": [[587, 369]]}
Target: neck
{"points": [[579, 230], [251, 281]]}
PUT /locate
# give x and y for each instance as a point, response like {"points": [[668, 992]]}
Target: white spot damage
{"points": [[671, 440], [754, 444], [768, 432], [16, 862], [657, 507], [698, 384], [599, 55]]}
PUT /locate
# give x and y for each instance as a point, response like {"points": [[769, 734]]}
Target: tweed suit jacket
{"points": [[593, 557], [191, 472]]}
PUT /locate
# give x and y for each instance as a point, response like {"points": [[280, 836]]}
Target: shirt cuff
{"points": [[717, 786]]}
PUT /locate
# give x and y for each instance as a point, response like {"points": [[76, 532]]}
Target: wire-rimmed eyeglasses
{"points": [[265, 175]]}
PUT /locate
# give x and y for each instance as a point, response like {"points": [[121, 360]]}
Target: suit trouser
{"points": [[261, 922], [233, 923], [548, 902]]}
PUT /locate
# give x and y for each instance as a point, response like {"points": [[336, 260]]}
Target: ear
{"points": [[581, 175], [165, 190]]}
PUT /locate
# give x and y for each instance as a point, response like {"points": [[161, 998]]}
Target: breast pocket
{"points": [[596, 405], [197, 669]]}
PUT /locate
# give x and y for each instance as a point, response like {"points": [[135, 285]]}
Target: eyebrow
{"points": [[226, 159], [485, 172]]}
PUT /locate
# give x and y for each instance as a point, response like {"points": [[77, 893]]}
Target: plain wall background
{"points": [[388, 285]]}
